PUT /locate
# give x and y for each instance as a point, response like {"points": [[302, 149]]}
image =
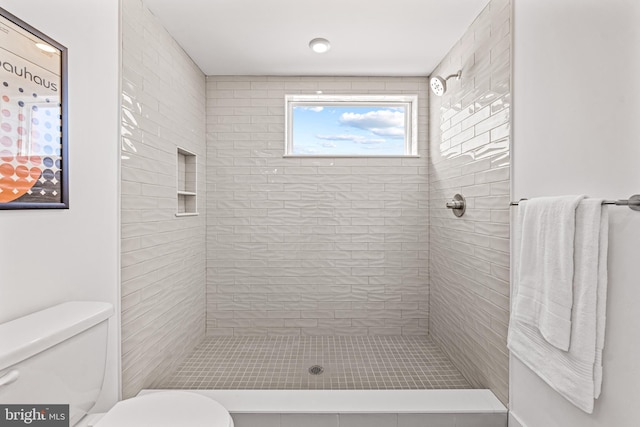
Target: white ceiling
{"points": [[271, 37]]}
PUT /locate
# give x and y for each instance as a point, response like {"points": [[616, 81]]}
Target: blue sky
{"points": [[352, 130]]}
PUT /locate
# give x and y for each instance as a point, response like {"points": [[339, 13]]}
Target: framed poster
{"points": [[33, 118]]}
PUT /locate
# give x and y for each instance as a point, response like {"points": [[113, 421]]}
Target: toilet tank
{"points": [[56, 356]]}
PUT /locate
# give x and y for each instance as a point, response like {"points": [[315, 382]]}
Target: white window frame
{"points": [[409, 102]]}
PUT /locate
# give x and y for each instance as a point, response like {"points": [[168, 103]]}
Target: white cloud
{"points": [[316, 109], [306, 150], [359, 139], [382, 122], [390, 132]]}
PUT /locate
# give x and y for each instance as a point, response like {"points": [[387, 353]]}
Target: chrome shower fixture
{"points": [[439, 85]]}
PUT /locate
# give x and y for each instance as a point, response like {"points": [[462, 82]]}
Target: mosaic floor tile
{"points": [[349, 363]]}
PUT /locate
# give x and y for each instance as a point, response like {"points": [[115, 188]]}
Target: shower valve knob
{"points": [[457, 205]]}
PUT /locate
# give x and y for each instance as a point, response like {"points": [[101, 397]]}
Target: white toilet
{"points": [[58, 356]]}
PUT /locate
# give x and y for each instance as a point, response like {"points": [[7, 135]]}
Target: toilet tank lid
{"points": [[29, 335]]}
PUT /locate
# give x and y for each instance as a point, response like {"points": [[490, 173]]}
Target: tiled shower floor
{"points": [[350, 363]]}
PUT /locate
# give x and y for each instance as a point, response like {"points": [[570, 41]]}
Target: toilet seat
{"points": [[167, 409]]}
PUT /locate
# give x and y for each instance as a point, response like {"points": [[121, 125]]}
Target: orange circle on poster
{"points": [[6, 169], [22, 185], [6, 156], [6, 184], [22, 171], [35, 173]]}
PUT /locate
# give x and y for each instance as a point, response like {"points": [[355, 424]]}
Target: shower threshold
{"points": [[358, 408], [331, 381]]}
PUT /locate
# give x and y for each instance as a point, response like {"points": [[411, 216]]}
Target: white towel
{"points": [[577, 373], [601, 307], [545, 279]]}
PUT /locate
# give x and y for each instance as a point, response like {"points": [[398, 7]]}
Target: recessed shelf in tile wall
{"points": [[186, 184]]}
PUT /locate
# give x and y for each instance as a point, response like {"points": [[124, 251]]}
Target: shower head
{"points": [[439, 85]]}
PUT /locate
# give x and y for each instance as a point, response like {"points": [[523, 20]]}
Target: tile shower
{"points": [[337, 261], [311, 246]]}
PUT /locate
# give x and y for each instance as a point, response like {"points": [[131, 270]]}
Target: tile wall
{"points": [[303, 246], [163, 256], [470, 154]]}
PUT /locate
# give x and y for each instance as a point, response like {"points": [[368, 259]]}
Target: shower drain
{"points": [[316, 370]]}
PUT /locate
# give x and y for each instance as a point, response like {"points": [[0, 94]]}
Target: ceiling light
{"points": [[46, 47], [319, 45]]}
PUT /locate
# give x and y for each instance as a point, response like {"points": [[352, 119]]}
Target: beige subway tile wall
{"points": [[470, 154], [163, 256], [311, 246]]}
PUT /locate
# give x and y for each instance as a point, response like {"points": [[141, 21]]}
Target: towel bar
{"points": [[633, 202]]}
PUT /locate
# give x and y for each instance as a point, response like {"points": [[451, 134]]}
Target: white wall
{"points": [[51, 256], [577, 130]]}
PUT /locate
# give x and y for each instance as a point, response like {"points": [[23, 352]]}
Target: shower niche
{"points": [[186, 183]]}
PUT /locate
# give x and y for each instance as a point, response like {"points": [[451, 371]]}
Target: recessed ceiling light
{"points": [[319, 45], [46, 47]]}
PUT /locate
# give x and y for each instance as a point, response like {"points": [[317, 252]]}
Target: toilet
{"points": [[58, 356]]}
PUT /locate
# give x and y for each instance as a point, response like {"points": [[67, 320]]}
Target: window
{"points": [[351, 126]]}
